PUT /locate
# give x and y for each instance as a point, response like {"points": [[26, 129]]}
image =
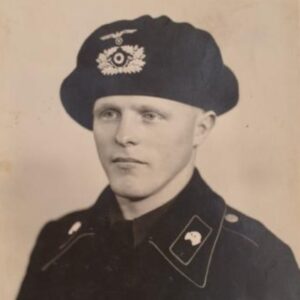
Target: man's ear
{"points": [[205, 121]]}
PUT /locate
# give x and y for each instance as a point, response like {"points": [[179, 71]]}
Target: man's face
{"points": [[143, 142]]}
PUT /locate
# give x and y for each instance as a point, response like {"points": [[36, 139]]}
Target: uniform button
{"points": [[74, 228], [231, 218]]}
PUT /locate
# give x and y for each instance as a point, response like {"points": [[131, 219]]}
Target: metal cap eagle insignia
{"points": [[120, 59]]}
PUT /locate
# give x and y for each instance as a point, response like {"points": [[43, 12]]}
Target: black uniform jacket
{"points": [[199, 249]]}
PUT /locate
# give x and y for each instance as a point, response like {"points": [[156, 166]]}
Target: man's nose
{"points": [[126, 134]]}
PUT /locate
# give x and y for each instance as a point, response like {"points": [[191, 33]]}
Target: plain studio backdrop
{"points": [[49, 165]]}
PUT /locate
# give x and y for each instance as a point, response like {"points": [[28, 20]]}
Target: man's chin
{"points": [[133, 197], [130, 193]]}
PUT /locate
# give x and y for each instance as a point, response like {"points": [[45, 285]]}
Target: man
{"points": [[150, 89]]}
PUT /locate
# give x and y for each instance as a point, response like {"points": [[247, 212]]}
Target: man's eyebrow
{"points": [[137, 107], [103, 106], [149, 107]]}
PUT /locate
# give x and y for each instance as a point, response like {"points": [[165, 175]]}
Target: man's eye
{"points": [[151, 116], [108, 114]]}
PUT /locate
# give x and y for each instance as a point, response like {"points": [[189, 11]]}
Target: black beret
{"points": [[152, 57]]}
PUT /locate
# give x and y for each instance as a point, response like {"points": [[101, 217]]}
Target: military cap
{"points": [[151, 57]]}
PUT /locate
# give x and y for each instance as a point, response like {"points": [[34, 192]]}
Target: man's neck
{"points": [[134, 209]]}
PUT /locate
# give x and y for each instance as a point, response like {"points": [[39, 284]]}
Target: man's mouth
{"points": [[127, 160]]}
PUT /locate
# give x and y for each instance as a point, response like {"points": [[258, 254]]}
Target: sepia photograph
{"points": [[149, 150]]}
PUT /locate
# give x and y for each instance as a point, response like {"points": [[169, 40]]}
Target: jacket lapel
{"points": [[81, 229], [187, 235]]}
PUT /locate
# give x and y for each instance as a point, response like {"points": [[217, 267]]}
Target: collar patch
{"points": [[190, 240]]}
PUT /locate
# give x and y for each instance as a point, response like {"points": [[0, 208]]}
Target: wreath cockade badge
{"points": [[120, 59]]}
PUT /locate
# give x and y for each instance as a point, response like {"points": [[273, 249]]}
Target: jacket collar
{"points": [[187, 235]]}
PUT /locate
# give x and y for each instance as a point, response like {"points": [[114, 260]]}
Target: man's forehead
{"points": [[141, 101]]}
